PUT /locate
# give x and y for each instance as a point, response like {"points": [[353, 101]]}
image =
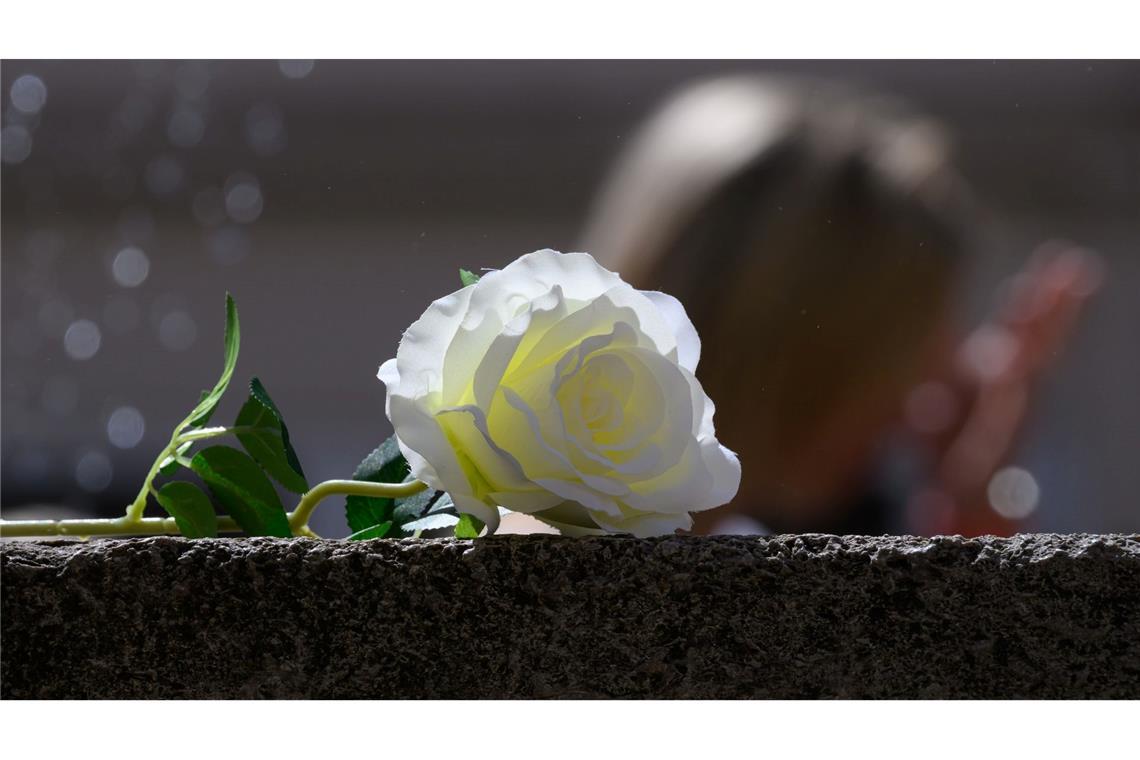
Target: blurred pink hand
{"points": [[991, 384]]}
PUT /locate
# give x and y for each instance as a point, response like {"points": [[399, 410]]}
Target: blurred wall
{"points": [[336, 199]]}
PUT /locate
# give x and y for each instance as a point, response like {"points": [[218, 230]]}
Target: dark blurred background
{"points": [[336, 199]]}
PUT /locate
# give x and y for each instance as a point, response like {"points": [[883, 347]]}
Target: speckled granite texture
{"points": [[542, 616]]}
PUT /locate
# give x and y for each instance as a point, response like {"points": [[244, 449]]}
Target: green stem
{"points": [[129, 525], [138, 506], [121, 526], [199, 434], [299, 517]]}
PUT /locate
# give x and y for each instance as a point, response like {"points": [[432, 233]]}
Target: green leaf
{"points": [[387, 465], [232, 341], [190, 508], [411, 508], [415, 506], [467, 277], [376, 531], [266, 439], [468, 526], [243, 489], [431, 522], [384, 465], [443, 506], [365, 511]]}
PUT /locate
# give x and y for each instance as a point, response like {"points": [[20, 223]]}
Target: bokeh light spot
{"points": [[1013, 493], [93, 471], [125, 427], [82, 339], [130, 267], [243, 198], [265, 129], [296, 69], [990, 352], [28, 94], [15, 144]]}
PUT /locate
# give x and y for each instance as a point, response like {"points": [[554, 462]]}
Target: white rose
{"points": [[554, 388]]}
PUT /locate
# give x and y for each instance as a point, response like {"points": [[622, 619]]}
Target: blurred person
{"points": [[816, 237]]}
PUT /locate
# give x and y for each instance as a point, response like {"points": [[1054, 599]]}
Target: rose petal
{"points": [[644, 524], [390, 376], [578, 274], [430, 455], [554, 388], [512, 341], [527, 502], [581, 494], [570, 519], [724, 466], [419, 358], [602, 315], [469, 505], [688, 341], [466, 428], [707, 476]]}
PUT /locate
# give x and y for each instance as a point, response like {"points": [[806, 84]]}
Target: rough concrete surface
{"points": [[542, 616]]}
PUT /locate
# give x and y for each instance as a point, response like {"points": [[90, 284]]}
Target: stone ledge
{"points": [[540, 616]]}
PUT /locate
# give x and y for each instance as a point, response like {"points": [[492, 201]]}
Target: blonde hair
{"points": [[810, 233]]}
